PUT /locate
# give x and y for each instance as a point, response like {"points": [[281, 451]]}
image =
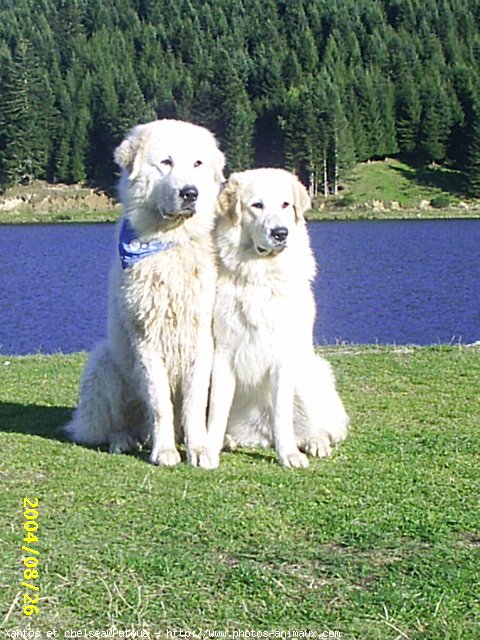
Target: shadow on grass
{"points": [[36, 420], [447, 180], [48, 422], [45, 422]]}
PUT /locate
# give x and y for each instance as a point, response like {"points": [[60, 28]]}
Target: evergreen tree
{"points": [[294, 125], [236, 123], [435, 122], [105, 131], [473, 156], [306, 134], [132, 107], [80, 132], [357, 127], [26, 105], [341, 150], [240, 127], [370, 113], [385, 97], [467, 93], [299, 36], [59, 166], [408, 112], [68, 28]]}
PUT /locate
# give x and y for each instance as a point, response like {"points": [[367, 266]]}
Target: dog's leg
{"points": [[320, 417], [155, 388], [194, 409], [221, 396], [284, 436]]}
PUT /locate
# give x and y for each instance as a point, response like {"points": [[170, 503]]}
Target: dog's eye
{"points": [[167, 162], [197, 164], [285, 205], [257, 205]]}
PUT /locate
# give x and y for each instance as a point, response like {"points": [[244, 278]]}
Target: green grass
{"points": [[393, 180], [378, 542], [394, 189]]}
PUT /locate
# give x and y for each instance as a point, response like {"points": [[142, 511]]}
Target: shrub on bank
{"points": [[441, 201]]}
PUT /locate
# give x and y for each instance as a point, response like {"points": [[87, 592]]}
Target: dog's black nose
{"points": [[189, 194], [279, 233]]}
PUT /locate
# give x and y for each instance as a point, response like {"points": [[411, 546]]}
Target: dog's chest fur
{"points": [[170, 298], [261, 324]]}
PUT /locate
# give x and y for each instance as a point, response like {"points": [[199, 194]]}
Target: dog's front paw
{"points": [[203, 457], [165, 457], [339, 433], [294, 459], [318, 447], [121, 442]]}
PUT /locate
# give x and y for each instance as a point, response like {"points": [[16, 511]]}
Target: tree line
{"points": [[313, 85]]}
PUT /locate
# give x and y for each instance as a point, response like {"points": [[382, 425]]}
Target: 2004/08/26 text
{"points": [[30, 573]]}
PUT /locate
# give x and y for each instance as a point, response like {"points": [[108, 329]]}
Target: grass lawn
{"points": [[379, 542]]}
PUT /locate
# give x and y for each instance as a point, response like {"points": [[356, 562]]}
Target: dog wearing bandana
{"points": [[148, 381]]}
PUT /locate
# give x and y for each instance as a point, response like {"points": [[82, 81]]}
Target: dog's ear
{"points": [[128, 155], [301, 199], [218, 165], [229, 203]]}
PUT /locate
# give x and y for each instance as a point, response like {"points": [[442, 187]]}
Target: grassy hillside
{"points": [[379, 542], [394, 189], [393, 180]]}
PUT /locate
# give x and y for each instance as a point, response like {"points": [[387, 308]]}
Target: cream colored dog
{"points": [[150, 378], [268, 385]]}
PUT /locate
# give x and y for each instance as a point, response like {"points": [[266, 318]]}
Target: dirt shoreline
{"points": [[40, 200]]}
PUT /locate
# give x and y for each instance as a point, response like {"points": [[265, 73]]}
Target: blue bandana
{"points": [[132, 250]]}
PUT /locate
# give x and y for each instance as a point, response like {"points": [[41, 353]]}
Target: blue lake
{"points": [[385, 282]]}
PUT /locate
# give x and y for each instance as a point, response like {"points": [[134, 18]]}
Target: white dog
{"points": [[268, 385], [150, 377]]}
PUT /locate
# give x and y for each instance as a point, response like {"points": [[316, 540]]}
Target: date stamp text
{"points": [[30, 558]]}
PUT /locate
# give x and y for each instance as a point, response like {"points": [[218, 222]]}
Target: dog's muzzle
{"points": [[277, 242], [185, 204]]}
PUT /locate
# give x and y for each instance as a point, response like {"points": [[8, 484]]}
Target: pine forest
{"points": [[313, 85]]}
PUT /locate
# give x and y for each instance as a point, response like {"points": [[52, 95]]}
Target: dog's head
{"points": [[171, 170], [267, 204]]}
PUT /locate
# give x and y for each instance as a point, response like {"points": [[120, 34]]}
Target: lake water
{"points": [[385, 282]]}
